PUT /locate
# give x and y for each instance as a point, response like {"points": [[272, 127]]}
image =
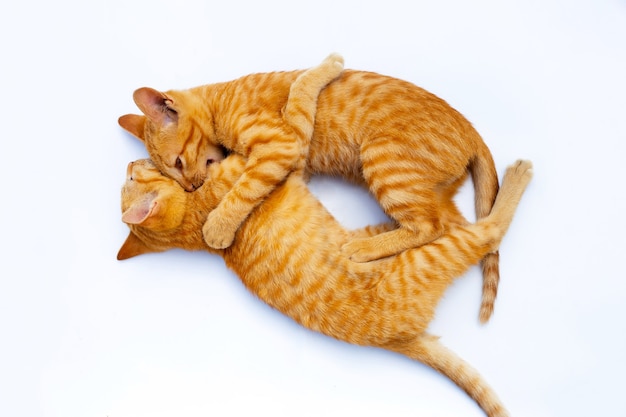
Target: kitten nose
{"points": [[197, 181]]}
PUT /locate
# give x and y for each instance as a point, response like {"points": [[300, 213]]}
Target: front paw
{"points": [[335, 61], [218, 234]]}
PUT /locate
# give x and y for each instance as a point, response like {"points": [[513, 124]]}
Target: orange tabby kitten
{"points": [[408, 146], [287, 252]]}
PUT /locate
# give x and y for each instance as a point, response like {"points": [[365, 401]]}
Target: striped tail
{"points": [[485, 179], [491, 279], [428, 350]]}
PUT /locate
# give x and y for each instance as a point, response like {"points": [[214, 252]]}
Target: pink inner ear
{"points": [[139, 212], [153, 104]]}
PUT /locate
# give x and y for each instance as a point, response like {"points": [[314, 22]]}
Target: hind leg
{"points": [[450, 214], [370, 230], [370, 244], [415, 189], [421, 227], [409, 192], [515, 180]]}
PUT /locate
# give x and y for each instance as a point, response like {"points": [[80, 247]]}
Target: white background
{"points": [[176, 334]]}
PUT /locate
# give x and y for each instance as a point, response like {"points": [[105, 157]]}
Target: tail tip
{"points": [[486, 311]]}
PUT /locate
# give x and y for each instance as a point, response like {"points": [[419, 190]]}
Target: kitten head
{"points": [[161, 215], [153, 206], [177, 144]]}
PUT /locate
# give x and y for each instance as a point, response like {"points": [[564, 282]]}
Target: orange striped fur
{"points": [[409, 147], [287, 252]]}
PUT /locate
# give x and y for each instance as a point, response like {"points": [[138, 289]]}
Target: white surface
{"points": [[176, 334]]}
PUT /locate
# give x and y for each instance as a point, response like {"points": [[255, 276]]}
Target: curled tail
{"points": [[485, 179], [428, 350]]}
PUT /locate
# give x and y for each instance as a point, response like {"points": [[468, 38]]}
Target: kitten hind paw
{"points": [[521, 170]]}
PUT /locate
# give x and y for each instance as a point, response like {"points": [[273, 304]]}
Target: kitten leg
{"points": [[301, 108], [275, 152], [370, 230], [419, 223], [389, 243], [449, 212], [413, 190], [516, 178]]}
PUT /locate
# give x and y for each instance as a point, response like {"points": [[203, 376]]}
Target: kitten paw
{"points": [[521, 170], [217, 233], [336, 60]]}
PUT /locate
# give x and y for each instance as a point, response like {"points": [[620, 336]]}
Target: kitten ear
{"points": [[140, 211], [155, 105], [133, 246], [134, 124]]}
